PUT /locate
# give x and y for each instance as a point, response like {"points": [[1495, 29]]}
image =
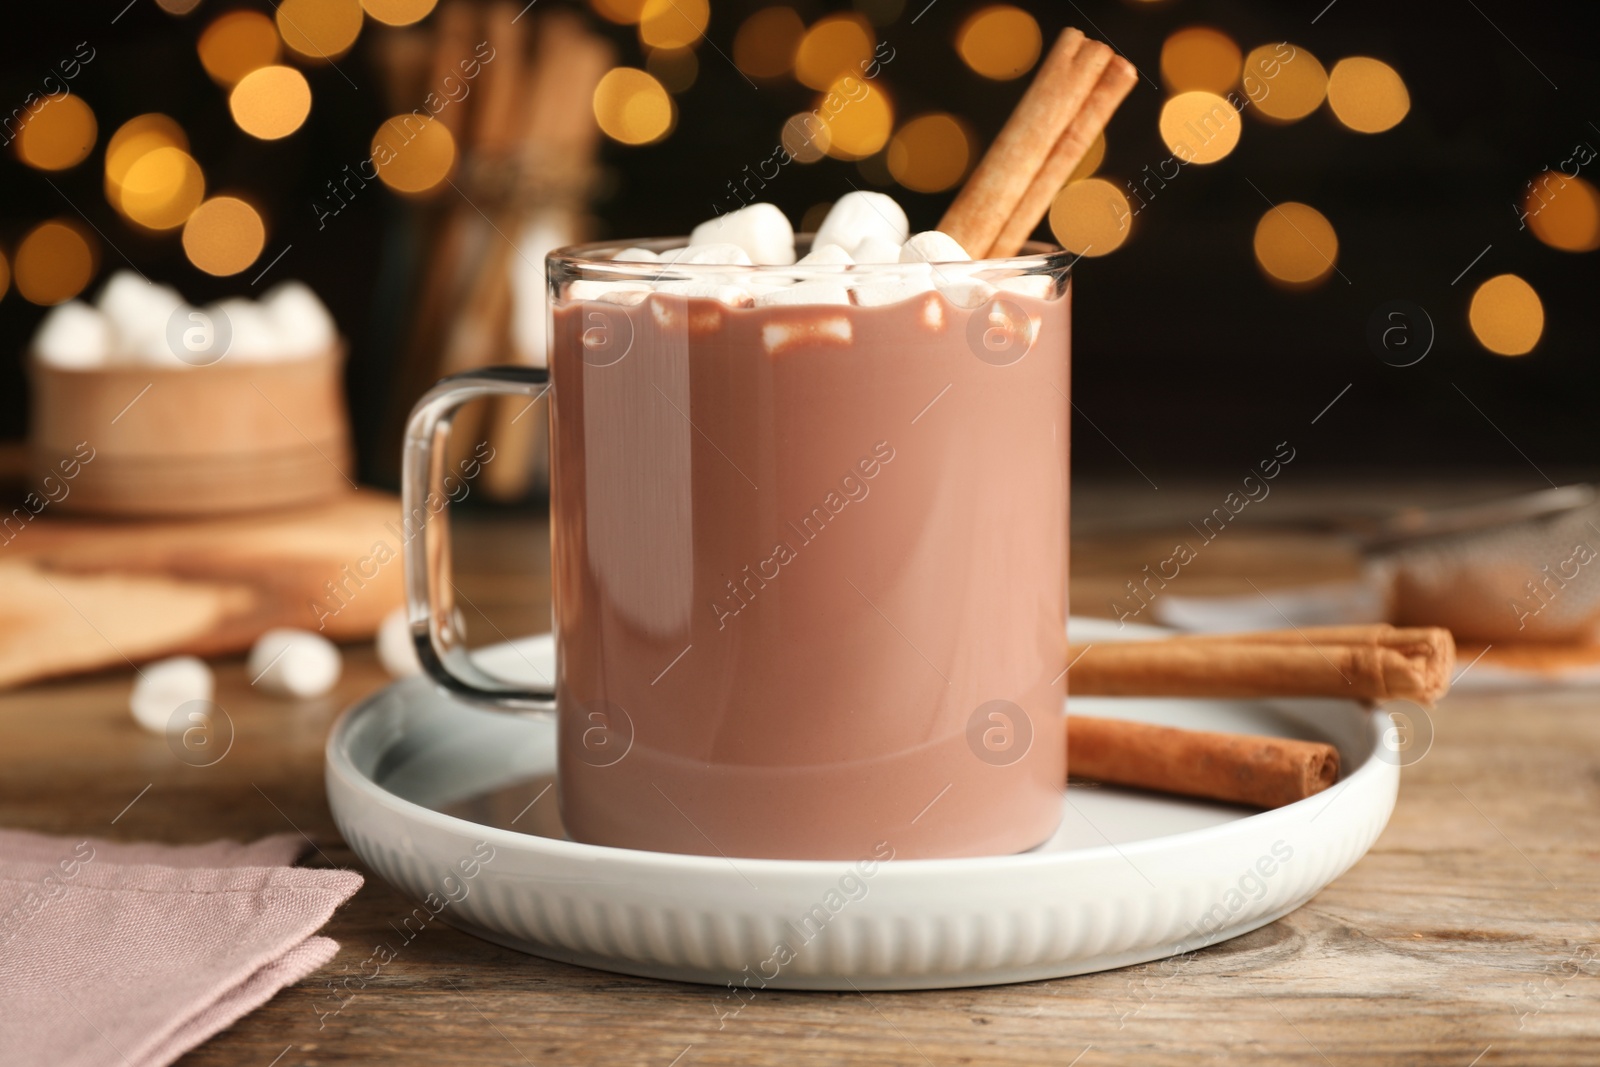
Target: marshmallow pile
{"points": [[133, 321], [849, 263]]}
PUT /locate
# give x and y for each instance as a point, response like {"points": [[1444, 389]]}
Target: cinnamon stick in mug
{"points": [[1264, 772], [1371, 663]]}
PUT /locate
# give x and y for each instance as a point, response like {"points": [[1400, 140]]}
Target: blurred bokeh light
{"points": [[1091, 217], [413, 155], [673, 23], [319, 29], [622, 12], [161, 188], [1091, 159], [805, 137], [1199, 126], [1284, 81], [399, 12], [1506, 315], [1000, 42], [1295, 244], [1200, 57], [237, 43], [271, 102], [862, 126], [835, 47], [54, 262], [224, 235], [766, 42], [930, 153], [1563, 212], [632, 107], [1367, 95], [58, 135], [675, 68]]}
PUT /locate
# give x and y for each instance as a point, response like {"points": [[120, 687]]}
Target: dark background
{"points": [[1186, 356]]}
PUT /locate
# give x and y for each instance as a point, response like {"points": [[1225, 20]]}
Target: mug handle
{"points": [[430, 591]]}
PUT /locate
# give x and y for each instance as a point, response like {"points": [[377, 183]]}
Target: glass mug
{"points": [[810, 560]]}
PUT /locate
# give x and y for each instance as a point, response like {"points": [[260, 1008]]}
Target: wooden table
{"points": [[1467, 936]]}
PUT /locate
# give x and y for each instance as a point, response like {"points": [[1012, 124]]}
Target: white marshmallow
{"points": [[252, 335], [721, 255], [877, 249], [762, 230], [811, 331], [708, 289], [138, 311], [73, 335], [164, 687], [396, 650], [967, 292], [859, 215], [627, 293], [294, 663], [303, 324], [825, 255], [933, 246], [806, 293], [891, 291], [1038, 286], [635, 255]]}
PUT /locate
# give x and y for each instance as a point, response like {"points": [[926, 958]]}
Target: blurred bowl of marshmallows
{"points": [[150, 406]]}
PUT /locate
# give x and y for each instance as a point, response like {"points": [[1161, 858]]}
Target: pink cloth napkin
{"points": [[132, 954]]}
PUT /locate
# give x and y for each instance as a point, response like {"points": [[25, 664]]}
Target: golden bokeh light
{"points": [[177, 7], [1563, 212], [271, 102], [1199, 126], [162, 188], [675, 68], [765, 45], [930, 153], [860, 127], [673, 23], [57, 136], [833, 48], [54, 262], [622, 12], [413, 155], [399, 12], [134, 138], [1296, 245], [1284, 81], [237, 43], [811, 221], [5, 275], [1367, 94], [1507, 316], [632, 107], [224, 235], [1091, 217], [1000, 42], [1200, 57], [1091, 159], [805, 137], [319, 29]]}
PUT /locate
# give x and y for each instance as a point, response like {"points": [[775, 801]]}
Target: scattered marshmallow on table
{"points": [[397, 651], [859, 215], [73, 335], [294, 663], [933, 246], [762, 231], [165, 686]]}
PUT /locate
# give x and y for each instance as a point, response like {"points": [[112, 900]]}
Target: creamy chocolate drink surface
{"points": [[810, 575]]}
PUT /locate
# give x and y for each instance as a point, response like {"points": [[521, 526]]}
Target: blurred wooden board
{"points": [[82, 594]]}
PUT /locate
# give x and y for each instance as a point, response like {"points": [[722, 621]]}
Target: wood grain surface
{"points": [[1466, 937], [82, 594]]}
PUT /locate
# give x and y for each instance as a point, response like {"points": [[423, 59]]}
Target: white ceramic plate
{"points": [[443, 799]]}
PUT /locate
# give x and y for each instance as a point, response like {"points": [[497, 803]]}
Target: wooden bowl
{"points": [[134, 440]]}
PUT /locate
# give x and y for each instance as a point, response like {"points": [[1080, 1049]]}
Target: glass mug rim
{"points": [[591, 261]]}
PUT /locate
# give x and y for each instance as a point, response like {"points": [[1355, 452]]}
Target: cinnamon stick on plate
{"points": [[1370, 663], [1264, 772]]}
